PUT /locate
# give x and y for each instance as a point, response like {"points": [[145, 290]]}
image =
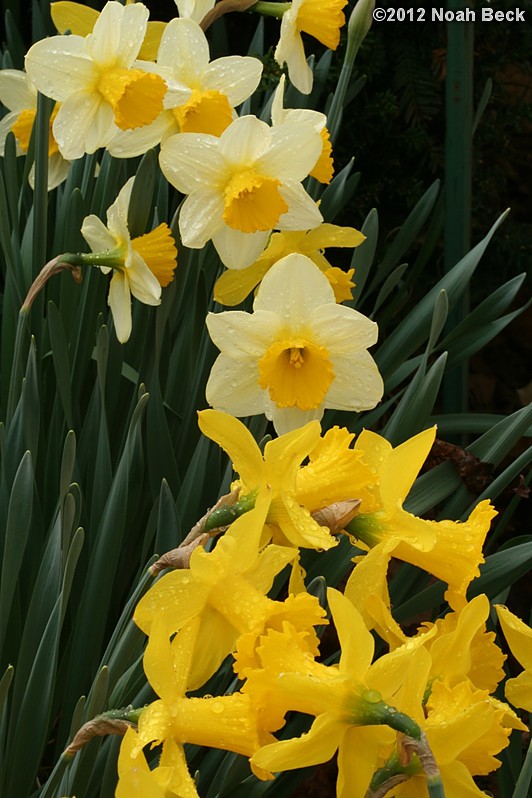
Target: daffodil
{"points": [[170, 779], [465, 729], [19, 96], [431, 545], [141, 265], [201, 95], [242, 185], [298, 353], [349, 702], [80, 19], [94, 80], [321, 19], [194, 9], [227, 722], [333, 474], [227, 587], [324, 168], [234, 285], [518, 635]]}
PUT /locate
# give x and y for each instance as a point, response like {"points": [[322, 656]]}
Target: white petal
{"points": [[97, 235], [130, 143], [60, 66], [142, 282], [235, 76], [58, 169], [195, 9], [17, 92], [281, 290], [191, 161], [200, 218], [233, 387], [302, 213], [242, 335], [239, 250], [184, 48], [83, 123], [118, 211], [119, 300], [286, 419], [357, 385], [294, 150], [305, 116], [278, 112], [245, 140], [118, 34], [6, 123], [342, 329], [290, 51]]}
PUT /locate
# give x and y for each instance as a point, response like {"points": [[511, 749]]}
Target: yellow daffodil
{"points": [[80, 19], [242, 185], [465, 729], [431, 545], [94, 80], [321, 19], [348, 701], [235, 284], [227, 722], [226, 586], [333, 474], [194, 9], [323, 169], [518, 635], [298, 353], [19, 96], [201, 95], [170, 779], [141, 265]]}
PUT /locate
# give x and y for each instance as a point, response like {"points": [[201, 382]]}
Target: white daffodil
{"points": [[94, 80], [323, 170], [194, 9], [321, 19], [242, 185], [19, 96], [141, 265], [201, 94], [298, 353]]}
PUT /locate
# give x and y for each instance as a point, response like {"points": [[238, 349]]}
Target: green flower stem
{"points": [[414, 759], [271, 9], [357, 29], [224, 516], [364, 527]]}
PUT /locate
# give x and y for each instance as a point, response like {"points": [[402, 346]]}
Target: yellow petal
{"points": [[518, 691], [356, 643], [331, 235], [234, 285], [518, 635], [317, 745], [401, 468], [152, 39], [75, 17], [237, 441]]}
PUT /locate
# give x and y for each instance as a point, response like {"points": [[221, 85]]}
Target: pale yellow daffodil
{"points": [[80, 19], [321, 19], [170, 779], [141, 265], [333, 474], [94, 79], [518, 635], [234, 285], [298, 353], [242, 185], [202, 94], [323, 170], [194, 9], [431, 545], [19, 96]]}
